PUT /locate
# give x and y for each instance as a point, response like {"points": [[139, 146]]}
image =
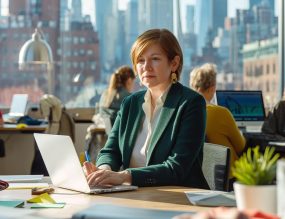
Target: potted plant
{"points": [[255, 187]]}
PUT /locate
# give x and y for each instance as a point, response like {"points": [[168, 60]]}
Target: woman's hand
{"points": [[103, 177], [88, 168]]}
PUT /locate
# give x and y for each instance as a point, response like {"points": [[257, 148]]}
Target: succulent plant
{"points": [[255, 168]]}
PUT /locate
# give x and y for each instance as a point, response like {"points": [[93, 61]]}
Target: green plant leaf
{"points": [[256, 168]]}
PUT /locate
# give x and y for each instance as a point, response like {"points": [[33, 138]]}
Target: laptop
{"points": [[246, 106], [63, 165], [17, 108]]}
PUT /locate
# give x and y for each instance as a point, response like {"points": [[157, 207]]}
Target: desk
{"points": [[19, 148], [162, 198]]}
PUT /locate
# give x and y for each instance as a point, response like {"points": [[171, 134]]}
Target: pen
{"points": [[87, 158]]}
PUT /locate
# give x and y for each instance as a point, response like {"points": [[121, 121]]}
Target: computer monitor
{"points": [[247, 107]]}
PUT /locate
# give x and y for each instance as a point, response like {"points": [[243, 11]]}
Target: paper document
{"points": [[212, 198], [27, 185], [21, 178]]}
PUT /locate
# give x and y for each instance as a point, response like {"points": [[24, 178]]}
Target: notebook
{"points": [[17, 108], [63, 165]]}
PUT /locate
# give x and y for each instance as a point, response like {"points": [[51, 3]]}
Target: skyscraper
{"points": [[131, 26], [202, 23], [190, 13], [76, 10], [206, 26], [219, 13], [107, 28], [150, 13]]}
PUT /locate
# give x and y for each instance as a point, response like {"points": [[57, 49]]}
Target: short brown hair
{"points": [[203, 77], [165, 39]]}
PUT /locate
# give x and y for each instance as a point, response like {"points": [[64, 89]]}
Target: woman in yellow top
{"points": [[220, 126]]}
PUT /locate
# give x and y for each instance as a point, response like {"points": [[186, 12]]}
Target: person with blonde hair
{"points": [[221, 127], [158, 136], [120, 86]]}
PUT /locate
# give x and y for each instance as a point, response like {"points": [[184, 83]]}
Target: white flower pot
{"points": [[259, 197]]}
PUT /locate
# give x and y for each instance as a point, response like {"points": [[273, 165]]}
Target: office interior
{"points": [[82, 42], [246, 42]]}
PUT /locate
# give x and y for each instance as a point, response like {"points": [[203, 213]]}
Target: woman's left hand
{"points": [[108, 178]]}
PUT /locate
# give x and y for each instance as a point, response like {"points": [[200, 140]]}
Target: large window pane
{"points": [[91, 38]]}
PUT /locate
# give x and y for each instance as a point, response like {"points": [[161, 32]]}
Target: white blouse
{"points": [[138, 158]]}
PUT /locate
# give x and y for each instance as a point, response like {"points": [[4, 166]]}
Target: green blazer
{"points": [[175, 152]]}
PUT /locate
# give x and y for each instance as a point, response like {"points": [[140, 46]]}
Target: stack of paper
{"points": [[212, 198], [21, 178]]}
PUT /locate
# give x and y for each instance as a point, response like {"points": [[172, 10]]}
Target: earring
{"points": [[173, 78]]}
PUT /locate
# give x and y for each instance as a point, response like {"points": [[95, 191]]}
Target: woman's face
{"points": [[154, 68]]}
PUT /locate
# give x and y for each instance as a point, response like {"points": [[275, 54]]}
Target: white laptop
{"points": [[64, 167], [17, 109]]}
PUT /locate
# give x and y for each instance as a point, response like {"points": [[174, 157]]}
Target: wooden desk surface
{"points": [[163, 198], [12, 128]]}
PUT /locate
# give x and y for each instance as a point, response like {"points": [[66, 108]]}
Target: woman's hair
{"points": [[203, 77], [162, 37], [118, 79]]}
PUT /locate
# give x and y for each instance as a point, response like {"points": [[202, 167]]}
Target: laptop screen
{"points": [[246, 106], [18, 105]]}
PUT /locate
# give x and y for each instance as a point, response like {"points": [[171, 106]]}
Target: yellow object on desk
{"points": [[43, 201], [43, 198], [21, 125]]}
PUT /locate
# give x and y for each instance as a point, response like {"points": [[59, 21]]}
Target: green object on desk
{"points": [[45, 205], [11, 203]]}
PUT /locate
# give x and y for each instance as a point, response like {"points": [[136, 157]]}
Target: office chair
{"points": [[60, 122], [216, 166]]}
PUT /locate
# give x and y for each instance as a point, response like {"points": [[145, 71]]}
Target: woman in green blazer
{"points": [[158, 135]]}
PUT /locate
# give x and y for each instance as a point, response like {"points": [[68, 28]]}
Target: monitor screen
{"points": [[246, 106]]}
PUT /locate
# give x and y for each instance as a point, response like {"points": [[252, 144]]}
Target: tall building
{"points": [[75, 51], [150, 13], [107, 27], [190, 16], [252, 3], [76, 14], [206, 27], [65, 14], [219, 13], [260, 69], [131, 27]]}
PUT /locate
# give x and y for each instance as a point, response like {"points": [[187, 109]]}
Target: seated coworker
{"points": [[121, 85], [157, 138], [221, 127]]}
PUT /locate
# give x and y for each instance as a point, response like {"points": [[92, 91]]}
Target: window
{"points": [[94, 38]]}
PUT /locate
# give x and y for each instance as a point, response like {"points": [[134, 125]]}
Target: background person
{"points": [[158, 136], [221, 127], [121, 85]]}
